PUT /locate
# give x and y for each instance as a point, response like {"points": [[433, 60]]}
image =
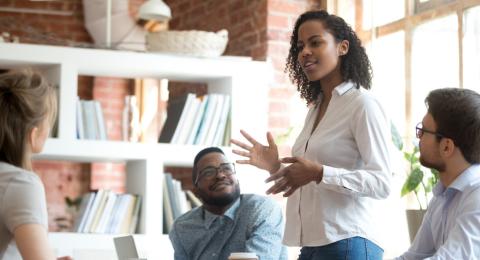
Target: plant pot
{"points": [[414, 220]]}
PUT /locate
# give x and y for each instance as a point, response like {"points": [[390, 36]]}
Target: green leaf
{"points": [[412, 182], [396, 138]]}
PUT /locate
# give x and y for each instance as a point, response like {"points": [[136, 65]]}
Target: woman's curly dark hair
{"points": [[355, 65]]}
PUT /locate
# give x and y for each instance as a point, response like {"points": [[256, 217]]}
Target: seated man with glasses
{"points": [[227, 221], [450, 143]]}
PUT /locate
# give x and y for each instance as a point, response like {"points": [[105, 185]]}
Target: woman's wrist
{"points": [[318, 174], [275, 168]]}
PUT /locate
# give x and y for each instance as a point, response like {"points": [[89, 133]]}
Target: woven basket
{"points": [[196, 43]]}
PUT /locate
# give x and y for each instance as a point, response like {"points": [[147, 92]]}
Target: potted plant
{"points": [[419, 182]]}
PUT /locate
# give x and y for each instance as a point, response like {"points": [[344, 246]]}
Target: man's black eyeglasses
{"points": [[420, 131], [211, 172]]}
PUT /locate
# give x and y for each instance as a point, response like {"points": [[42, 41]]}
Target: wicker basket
{"points": [[197, 43]]}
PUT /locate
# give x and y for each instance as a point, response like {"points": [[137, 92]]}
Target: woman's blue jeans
{"points": [[354, 248]]}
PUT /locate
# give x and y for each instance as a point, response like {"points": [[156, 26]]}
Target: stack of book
{"points": [[176, 201], [198, 120], [106, 212], [90, 120]]}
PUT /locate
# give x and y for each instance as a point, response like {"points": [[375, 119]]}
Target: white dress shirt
{"points": [[353, 143], [451, 226]]}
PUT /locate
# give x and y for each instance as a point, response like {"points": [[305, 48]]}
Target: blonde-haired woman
{"points": [[27, 109]]}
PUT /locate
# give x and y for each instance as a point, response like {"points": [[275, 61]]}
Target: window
{"points": [[427, 44]]}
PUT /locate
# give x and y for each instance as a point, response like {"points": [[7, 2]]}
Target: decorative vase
{"points": [[414, 220]]}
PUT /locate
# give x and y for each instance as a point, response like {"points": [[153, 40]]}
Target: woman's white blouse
{"points": [[353, 143]]}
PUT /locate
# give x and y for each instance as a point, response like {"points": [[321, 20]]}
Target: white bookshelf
{"points": [[244, 80]]}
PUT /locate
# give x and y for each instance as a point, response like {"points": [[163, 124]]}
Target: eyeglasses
{"points": [[211, 172], [420, 131]]}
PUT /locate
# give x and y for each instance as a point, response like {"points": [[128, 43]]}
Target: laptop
{"points": [[125, 247]]}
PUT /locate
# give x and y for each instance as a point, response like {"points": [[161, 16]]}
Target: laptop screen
{"points": [[125, 247]]}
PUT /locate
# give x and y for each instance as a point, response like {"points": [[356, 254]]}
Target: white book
{"points": [[120, 204], [220, 132], [127, 216], [79, 120], [135, 214], [188, 123], [198, 120], [89, 121], [100, 122], [93, 211], [106, 214], [207, 119], [215, 121], [181, 198], [167, 209], [99, 211], [84, 210], [186, 108]]}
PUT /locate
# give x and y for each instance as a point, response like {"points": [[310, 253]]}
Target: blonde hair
{"points": [[26, 100]]}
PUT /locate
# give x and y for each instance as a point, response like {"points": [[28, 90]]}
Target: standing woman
{"points": [[27, 110], [341, 165]]}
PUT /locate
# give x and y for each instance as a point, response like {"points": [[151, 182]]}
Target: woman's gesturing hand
{"points": [[261, 156], [298, 173]]}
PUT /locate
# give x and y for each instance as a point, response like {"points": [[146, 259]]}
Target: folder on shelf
{"points": [[92, 211], [207, 119], [222, 124], [83, 211], [198, 119], [135, 214], [174, 111], [167, 210], [183, 122]]}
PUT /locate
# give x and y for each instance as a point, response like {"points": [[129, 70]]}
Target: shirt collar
{"points": [[344, 87], [461, 182], [209, 217], [340, 90]]}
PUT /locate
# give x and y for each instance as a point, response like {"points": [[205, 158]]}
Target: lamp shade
{"points": [[155, 10]]}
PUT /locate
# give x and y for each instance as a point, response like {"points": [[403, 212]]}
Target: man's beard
{"points": [[437, 166], [220, 201]]}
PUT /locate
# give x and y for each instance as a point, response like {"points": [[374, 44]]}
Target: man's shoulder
{"points": [[258, 202], [191, 217]]}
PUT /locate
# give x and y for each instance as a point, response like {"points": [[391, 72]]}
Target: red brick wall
{"points": [[66, 179], [244, 20]]}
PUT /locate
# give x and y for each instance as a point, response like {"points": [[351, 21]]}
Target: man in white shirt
{"points": [[450, 143]]}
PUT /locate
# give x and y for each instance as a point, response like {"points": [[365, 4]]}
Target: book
{"points": [[135, 214], [79, 120], [83, 211], [174, 111], [92, 211], [89, 121], [228, 131], [193, 199], [183, 118], [167, 210], [222, 124], [198, 120], [215, 121], [106, 214], [207, 119], [126, 216], [100, 122], [187, 125], [118, 212], [99, 211]]}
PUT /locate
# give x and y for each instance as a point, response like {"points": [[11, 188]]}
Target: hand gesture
{"points": [[300, 172], [261, 156]]}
